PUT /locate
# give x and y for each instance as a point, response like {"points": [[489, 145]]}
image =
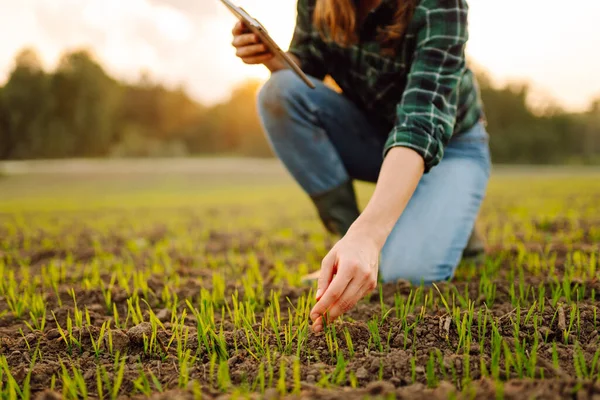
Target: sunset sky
{"points": [[555, 44]]}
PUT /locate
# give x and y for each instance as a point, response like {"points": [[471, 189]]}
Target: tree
{"points": [[25, 105], [87, 101]]}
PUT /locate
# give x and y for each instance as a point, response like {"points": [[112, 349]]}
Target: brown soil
{"points": [[377, 373]]}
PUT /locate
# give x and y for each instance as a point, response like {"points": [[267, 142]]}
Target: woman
{"points": [[409, 119]]}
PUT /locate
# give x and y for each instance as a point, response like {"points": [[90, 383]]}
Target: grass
{"points": [[210, 273]]}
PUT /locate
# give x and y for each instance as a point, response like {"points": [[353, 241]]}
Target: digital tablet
{"points": [[259, 30]]}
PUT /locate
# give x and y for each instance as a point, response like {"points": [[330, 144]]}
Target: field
{"points": [[183, 280]]}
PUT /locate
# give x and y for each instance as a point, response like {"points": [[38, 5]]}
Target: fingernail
{"points": [[319, 293], [317, 328]]}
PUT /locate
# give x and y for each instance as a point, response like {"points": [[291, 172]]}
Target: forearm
{"points": [[400, 174]]}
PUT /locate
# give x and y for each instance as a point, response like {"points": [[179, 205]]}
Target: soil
{"points": [[378, 373]]}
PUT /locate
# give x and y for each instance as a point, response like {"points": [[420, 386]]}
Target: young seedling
{"points": [[375, 338], [430, 370]]}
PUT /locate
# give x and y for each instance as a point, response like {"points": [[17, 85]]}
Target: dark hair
{"points": [[338, 18]]}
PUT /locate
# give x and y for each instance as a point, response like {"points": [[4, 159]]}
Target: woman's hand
{"points": [[354, 261], [251, 50]]}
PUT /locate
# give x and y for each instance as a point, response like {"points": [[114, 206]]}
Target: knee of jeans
{"points": [[414, 266], [274, 98]]}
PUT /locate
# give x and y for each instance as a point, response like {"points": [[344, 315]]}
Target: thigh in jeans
{"points": [[426, 243], [321, 136]]}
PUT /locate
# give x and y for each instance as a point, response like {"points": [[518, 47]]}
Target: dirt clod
{"points": [[48, 395], [136, 333], [362, 373]]}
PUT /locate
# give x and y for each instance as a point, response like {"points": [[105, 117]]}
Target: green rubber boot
{"points": [[475, 250], [337, 208]]}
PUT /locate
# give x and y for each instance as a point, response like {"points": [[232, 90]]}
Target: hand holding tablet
{"points": [[248, 31]]}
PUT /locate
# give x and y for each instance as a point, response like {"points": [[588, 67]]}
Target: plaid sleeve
{"points": [[307, 44], [427, 112]]}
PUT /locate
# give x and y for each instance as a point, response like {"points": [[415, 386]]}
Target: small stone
{"points": [[394, 380], [362, 373], [408, 342], [311, 379], [85, 354], [419, 369], [136, 333], [474, 349], [163, 315]]}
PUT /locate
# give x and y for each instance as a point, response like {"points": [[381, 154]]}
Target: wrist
{"points": [[273, 65], [369, 230]]}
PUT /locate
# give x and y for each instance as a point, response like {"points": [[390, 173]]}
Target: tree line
{"points": [[79, 110]]}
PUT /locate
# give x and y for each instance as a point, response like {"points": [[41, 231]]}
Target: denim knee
{"points": [[414, 268], [278, 93]]}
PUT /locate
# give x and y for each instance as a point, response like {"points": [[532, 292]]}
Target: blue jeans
{"points": [[324, 140]]}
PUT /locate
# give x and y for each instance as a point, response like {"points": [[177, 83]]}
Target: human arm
{"points": [[425, 122], [354, 259]]}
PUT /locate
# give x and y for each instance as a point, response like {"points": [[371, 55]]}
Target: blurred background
{"points": [[158, 78]]}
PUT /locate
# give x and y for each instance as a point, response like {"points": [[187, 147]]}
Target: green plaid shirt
{"points": [[423, 95]]}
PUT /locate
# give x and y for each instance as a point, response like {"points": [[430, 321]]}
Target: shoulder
{"points": [[437, 16], [449, 10]]}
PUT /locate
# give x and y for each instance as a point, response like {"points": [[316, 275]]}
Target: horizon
{"points": [[161, 38]]}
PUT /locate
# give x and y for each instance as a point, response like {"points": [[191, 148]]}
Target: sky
{"points": [[554, 44]]}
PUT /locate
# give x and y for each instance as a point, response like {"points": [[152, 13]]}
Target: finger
{"points": [[349, 298], [352, 295], [245, 40], [257, 59], [317, 325], [251, 51], [239, 28], [326, 274], [332, 294]]}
